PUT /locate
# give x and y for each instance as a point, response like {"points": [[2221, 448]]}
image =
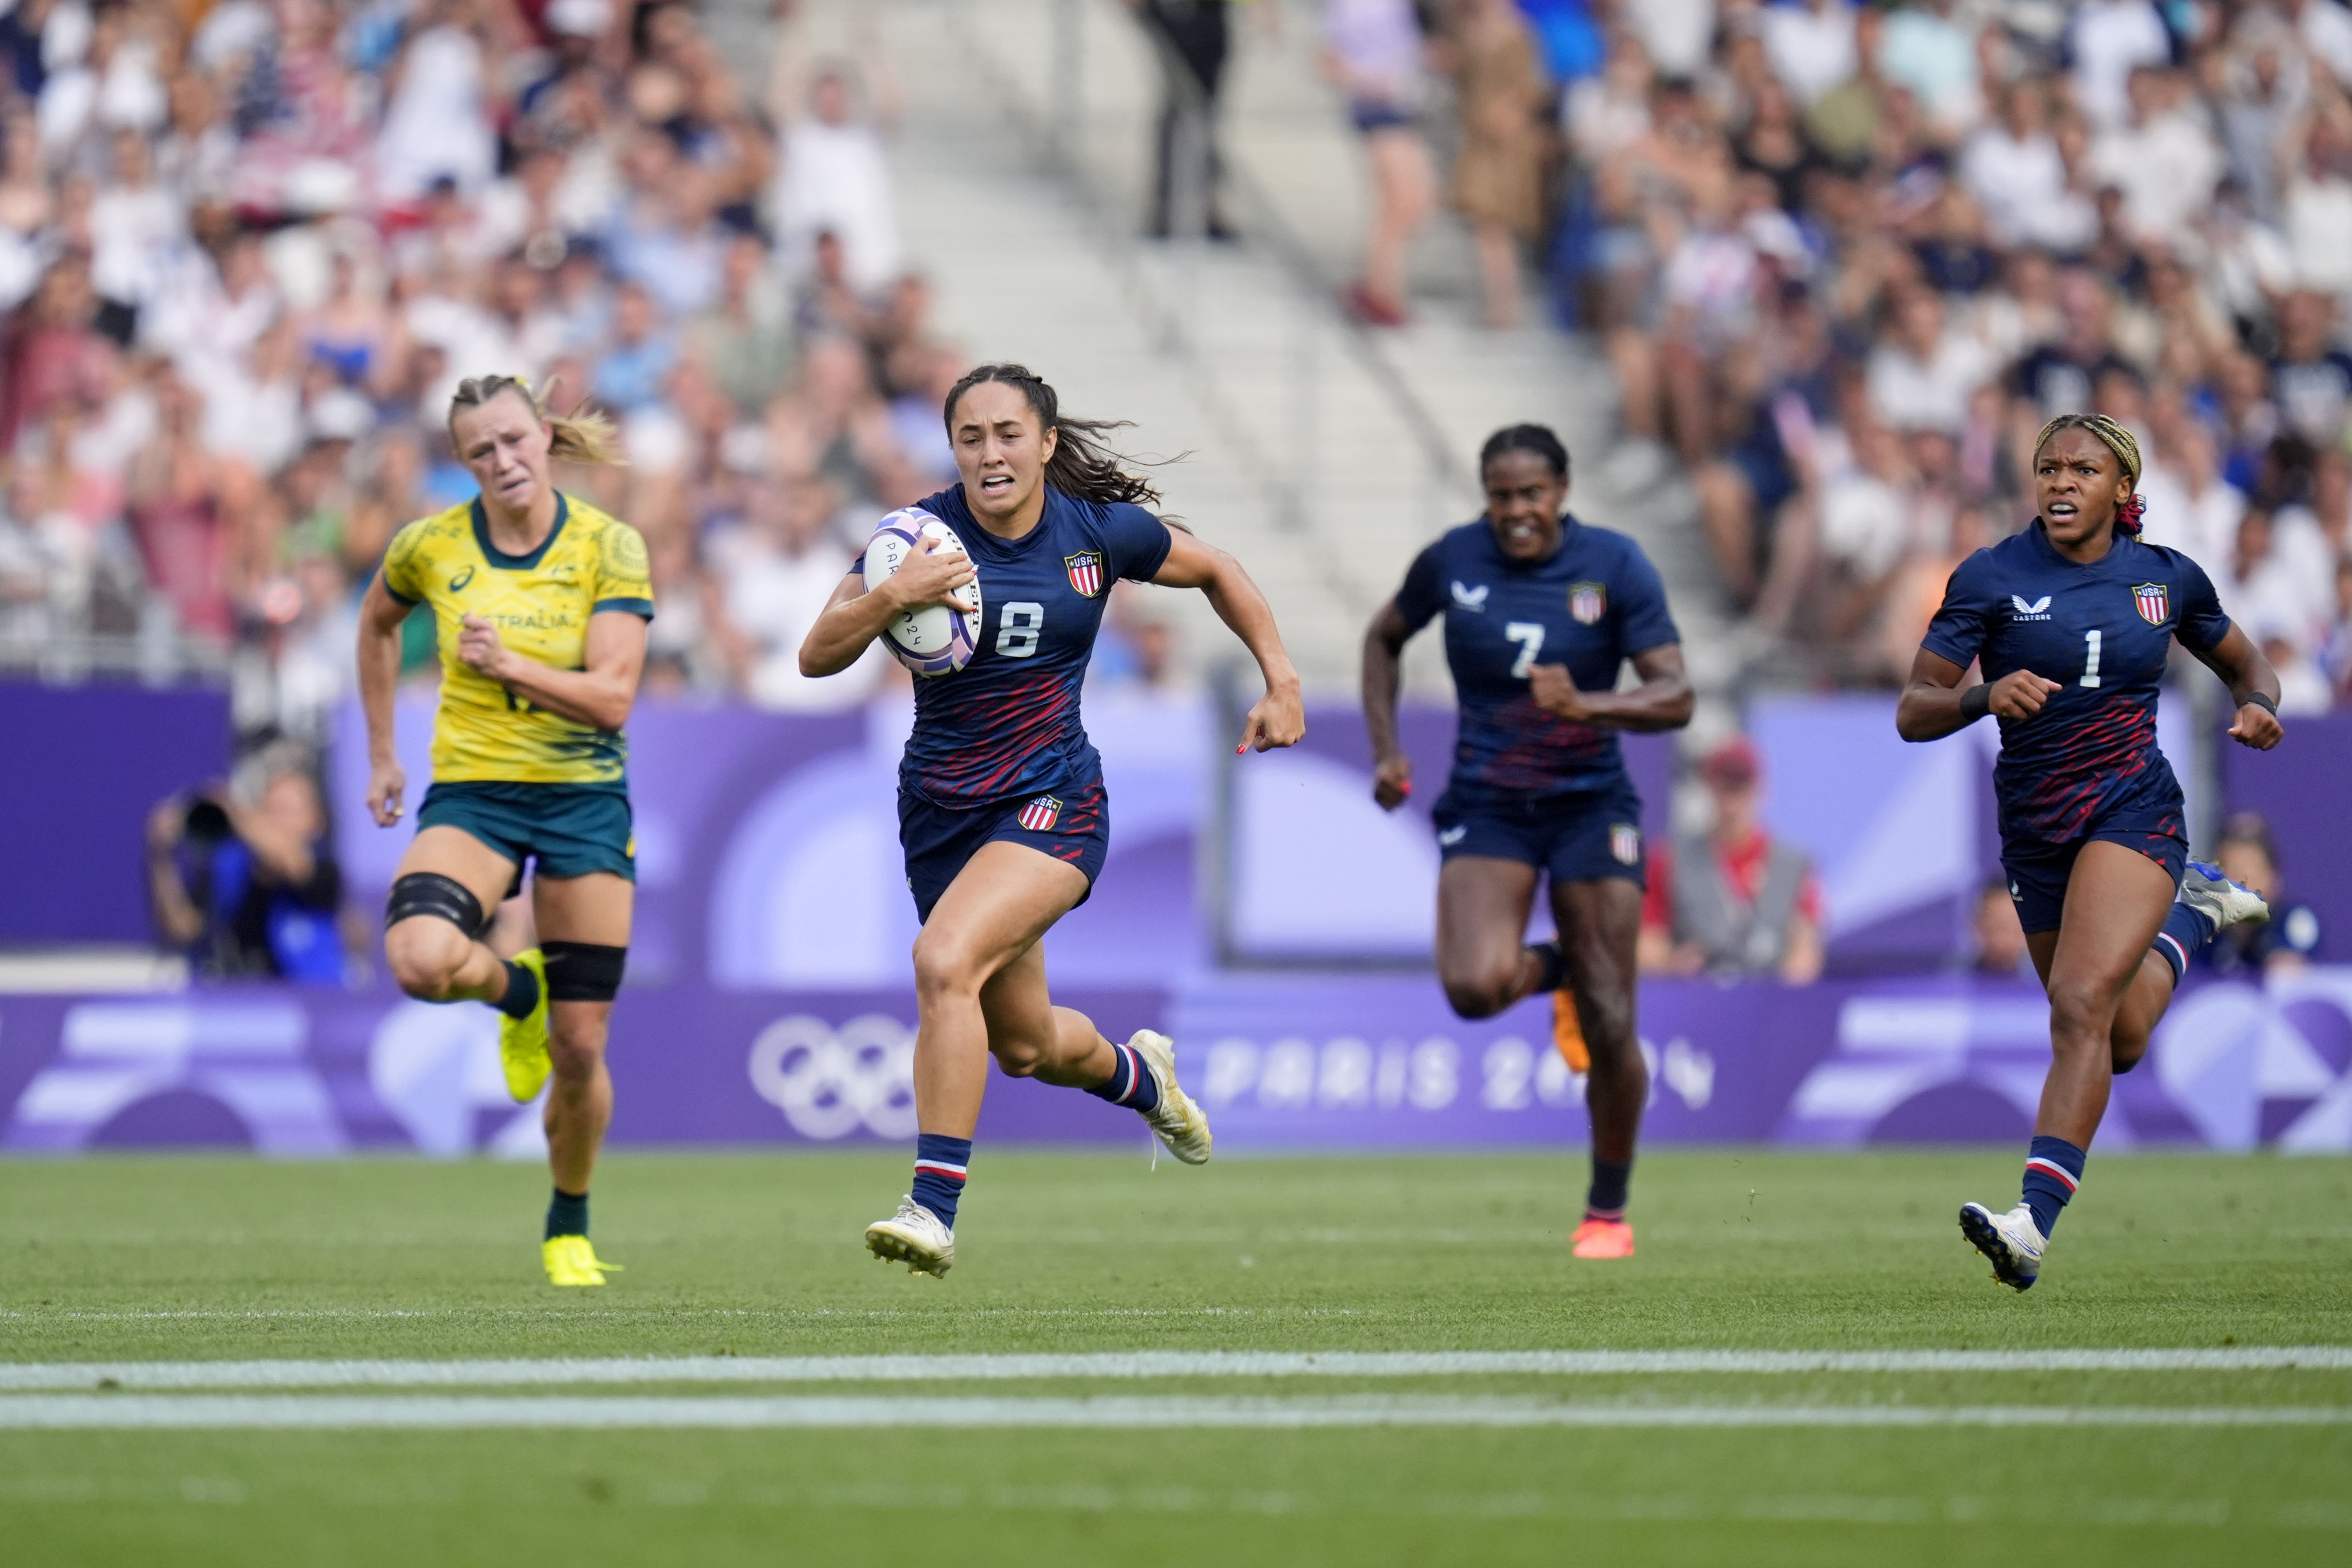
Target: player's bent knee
{"points": [[431, 923], [1017, 1058], [2125, 1057], [1483, 991]]}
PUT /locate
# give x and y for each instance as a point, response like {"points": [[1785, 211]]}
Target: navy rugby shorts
{"points": [[1071, 824], [2037, 873], [1580, 837]]}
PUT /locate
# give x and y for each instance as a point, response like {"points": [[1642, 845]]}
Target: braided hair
{"points": [[1537, 438], [1081, 467], [2125, 447]]}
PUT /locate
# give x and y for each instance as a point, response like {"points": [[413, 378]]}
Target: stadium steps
{"points": [[1324, 457]]}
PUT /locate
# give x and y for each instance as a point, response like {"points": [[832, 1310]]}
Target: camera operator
{"points": [[244, 879]]}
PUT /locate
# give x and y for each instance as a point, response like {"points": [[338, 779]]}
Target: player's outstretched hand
{"points": [[2257, 727], [932, 574], [1392, 781], [1278, 719], [2019, 694], [387, 782], [478, 646], [1555, 691]]}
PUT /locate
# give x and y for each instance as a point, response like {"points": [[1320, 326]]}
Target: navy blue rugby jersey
{"points": [[2103, 632], [1007, 723], [1594, 604]]}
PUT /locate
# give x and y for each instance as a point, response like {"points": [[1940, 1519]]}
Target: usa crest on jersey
{"points": [[1587, 602], [1085, 571], [2155, 602], [1039, 814], [1625, 842]]}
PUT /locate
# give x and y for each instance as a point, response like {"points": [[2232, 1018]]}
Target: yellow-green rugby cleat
{"points": [[572, 1261], [523, 1042]]}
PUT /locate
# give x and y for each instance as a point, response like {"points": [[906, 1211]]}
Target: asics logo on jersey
{"points": [[2037, 611], [457, 584], [1452, 836], [1470, 598]]}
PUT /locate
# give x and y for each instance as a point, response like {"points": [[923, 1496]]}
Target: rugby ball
{"points": [[935, 639]]}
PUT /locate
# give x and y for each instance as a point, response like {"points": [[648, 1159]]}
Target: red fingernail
{"points": [[1242, 748]]}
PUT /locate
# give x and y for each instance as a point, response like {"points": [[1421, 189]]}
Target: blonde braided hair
{"points": [[586, 436], [2123, 444]]}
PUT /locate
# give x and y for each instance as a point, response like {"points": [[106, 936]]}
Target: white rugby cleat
{"points": [[2011, 1242], [1183, 1125], [2217, 899], [914, 1236]]}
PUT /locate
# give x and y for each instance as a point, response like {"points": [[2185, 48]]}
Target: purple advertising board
{"points": [[1281, 1063], [80, 767]]}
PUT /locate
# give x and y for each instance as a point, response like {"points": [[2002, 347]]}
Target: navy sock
{"points": [[1130, 1082], [567, 1214], [2053, 1170], [1555, 966], [522, 993], [2185, 934], [1605, 1199], [940, 1164]]}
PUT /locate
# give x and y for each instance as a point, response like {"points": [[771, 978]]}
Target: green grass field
{"points": [[131, 1260]]}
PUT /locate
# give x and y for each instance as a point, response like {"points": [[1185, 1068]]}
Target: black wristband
{"points": [[1975, 702], [2262, 699]]}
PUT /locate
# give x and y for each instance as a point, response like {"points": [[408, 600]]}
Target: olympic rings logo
{"points": [[831, 1082]]}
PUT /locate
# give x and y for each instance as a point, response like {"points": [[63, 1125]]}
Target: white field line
{"points": [[32, 1376], [344, 1411]]}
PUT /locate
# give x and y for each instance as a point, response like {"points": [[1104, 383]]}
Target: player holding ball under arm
{"points": [[1541, 611], [2074, 621], [541, 603], [1002, 811]]}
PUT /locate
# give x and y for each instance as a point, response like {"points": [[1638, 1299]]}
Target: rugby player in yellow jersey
{"points": [[541, 603]]}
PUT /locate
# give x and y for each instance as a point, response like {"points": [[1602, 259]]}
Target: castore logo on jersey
{"points": [[1471, 598], [2037, 611]]}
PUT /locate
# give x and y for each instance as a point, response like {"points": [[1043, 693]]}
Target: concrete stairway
{"points": [[1324, 457]]}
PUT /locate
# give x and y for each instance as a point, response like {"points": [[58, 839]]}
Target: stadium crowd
{"points": [[1847, 258], [248, 248]]}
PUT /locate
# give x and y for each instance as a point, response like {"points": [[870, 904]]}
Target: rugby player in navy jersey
{"points": [[1540, 613], [2073, 620], [1002, 811]]}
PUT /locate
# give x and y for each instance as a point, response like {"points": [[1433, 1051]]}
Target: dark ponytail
{"points": [[1536, 438], [1082, 467]]}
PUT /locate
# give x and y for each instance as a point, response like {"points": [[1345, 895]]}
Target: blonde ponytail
{"points": [[585, 436]]}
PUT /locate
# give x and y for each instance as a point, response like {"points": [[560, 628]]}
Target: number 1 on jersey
{"points": [[2091, 659], [1530, 636]]}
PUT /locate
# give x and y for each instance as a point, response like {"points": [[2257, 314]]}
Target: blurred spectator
{"points": [[1501, 96], [776, 573], [243, 877], [833, 178], [1732, 902], [745, 338], [1193, 38], [2000, 949], [2291, 937], [1373, 53]]}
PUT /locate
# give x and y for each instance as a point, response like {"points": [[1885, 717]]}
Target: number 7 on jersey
{"points": [[1530, 636]]}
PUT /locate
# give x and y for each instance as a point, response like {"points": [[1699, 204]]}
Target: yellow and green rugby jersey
{"points": [[541, 604]]}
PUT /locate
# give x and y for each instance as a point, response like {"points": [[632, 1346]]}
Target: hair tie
{"points": [[2128, 517]]}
